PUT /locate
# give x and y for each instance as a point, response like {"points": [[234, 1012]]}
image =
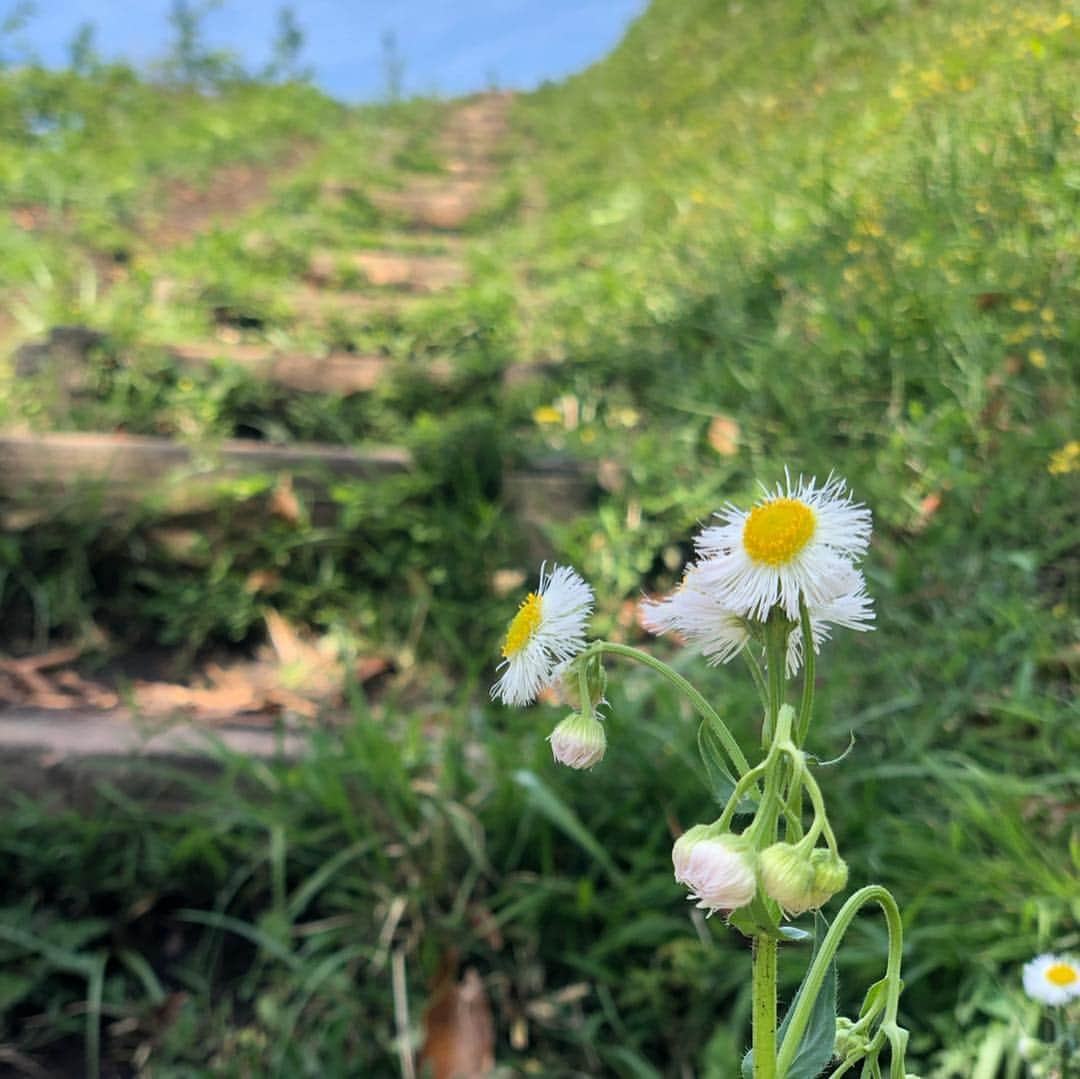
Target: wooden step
{"points": [[391, 269], [435, 204], [320, 305], [127, 468], [337, 372], [62, 758]]}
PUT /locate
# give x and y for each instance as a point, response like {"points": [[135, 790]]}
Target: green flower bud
{"points": [[788, 877], [801, 880], [849, 1042], [595, 680], [578, 741], [830, 875]]}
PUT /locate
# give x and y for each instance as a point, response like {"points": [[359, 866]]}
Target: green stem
{"points": [[758, 675], [763, 1004], [704, 709], [741, 788], [763, 831], [806, 709], [1066, 1045], [776, 631], [583, 691], [890, 1029], [821, 820]]}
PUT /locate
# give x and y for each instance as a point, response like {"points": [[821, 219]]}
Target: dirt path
{"points": [[250, 694]]}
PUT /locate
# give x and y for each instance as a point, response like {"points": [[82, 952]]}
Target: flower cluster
{"points": [[801, 542], [775, 578]]}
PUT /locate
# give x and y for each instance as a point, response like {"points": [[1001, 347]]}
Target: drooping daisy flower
{"points": [[851, 608], [695, 612], [1052, 979], [546, 633], [800, 538], [717, 869]]}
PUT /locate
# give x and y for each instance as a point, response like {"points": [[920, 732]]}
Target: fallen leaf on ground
{"points": [[459, 1035]]}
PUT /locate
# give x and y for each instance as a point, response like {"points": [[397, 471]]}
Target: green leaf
{"points": [[631, 1064], [720, 780], [873, 1001], [761, 916]]}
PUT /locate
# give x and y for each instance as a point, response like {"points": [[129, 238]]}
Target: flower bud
{"points": [[801, 880], [830, 874], [788, 877], [849, 1042], [578, 741], [717, 868], [595, 680]]}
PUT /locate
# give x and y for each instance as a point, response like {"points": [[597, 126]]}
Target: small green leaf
{"points": [[816, 1044], [757, 917], [721, 782], [873, 1001]]}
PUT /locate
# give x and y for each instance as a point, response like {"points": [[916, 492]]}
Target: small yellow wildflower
{"points": [[1065, 460]]}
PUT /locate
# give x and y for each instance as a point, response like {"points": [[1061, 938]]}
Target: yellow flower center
{"points": [[525, 624], [776, 532], [1062, 974]]}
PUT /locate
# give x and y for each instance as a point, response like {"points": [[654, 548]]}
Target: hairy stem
{"points": [[763, 1004]]}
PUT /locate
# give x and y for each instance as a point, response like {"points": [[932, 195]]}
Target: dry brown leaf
{"points": [[262, 580], [214, 702], [723, 435], [459, 1034], [284, 502]]}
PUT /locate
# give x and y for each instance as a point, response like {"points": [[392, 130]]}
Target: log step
{"points": [[338, 372], [390, 269], [436, 204], [129, 467], [320, 305]]}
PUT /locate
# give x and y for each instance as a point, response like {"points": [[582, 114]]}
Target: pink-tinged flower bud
{"points": [[578, 741], [717, 868]]}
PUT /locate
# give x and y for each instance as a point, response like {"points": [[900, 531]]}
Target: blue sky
{"points": [[448, 46]]}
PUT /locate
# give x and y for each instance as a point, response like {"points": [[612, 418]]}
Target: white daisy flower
{"points": [[546, 633], [851, 608], [800, 538], [1052, 979], [695, 612]]}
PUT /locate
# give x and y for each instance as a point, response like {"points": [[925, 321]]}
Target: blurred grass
{"points": [[830, 235]]}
